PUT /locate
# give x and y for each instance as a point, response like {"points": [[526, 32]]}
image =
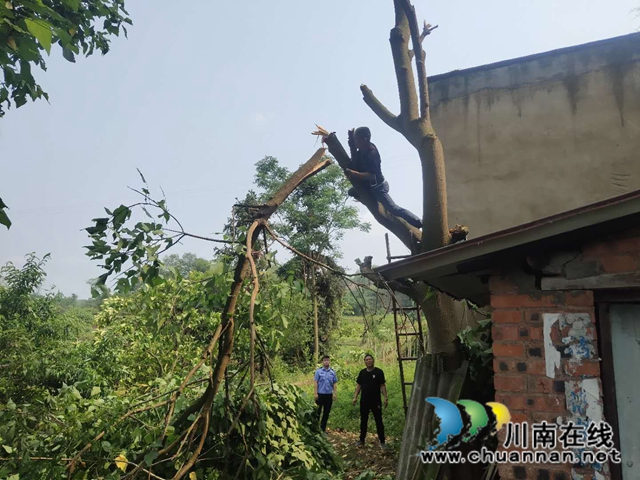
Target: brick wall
{"points": [[545, 361]]}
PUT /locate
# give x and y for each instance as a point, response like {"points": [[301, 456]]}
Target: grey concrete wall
{"points": [[527, 138]]}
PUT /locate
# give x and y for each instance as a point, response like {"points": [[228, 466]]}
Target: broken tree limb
{"points": [[197, 430]]}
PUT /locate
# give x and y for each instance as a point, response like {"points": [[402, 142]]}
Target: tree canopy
{"points": [[29, 28]]}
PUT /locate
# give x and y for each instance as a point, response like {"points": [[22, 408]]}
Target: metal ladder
{"points": [[408, 330]]}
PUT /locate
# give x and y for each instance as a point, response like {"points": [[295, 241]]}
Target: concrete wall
{"points": [[539, 135]]}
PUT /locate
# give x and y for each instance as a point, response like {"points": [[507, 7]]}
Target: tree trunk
{"points": [[316, 333], [435, 222]]}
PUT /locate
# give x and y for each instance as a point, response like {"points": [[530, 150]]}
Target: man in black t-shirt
{"points": [[371, 382], [366, 171]]}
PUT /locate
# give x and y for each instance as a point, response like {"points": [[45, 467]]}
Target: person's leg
{"points": [[364, 420], [382, 194], [352, 193], [319, 407], [377, 415], [327, 402]]}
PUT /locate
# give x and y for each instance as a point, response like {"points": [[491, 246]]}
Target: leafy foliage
{"points": [[184, 265], [30, 27], [4, 218], [138, 352], [31, 324]]}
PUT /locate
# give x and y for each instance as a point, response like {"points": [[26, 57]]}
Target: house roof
{"points": [[462, 269]]}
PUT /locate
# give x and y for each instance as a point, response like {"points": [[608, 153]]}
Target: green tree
{"points": [[313, 220], [189, 262], [28, 28]]}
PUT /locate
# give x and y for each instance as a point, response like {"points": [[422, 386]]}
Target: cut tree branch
{"points": [[379, 109], [399, 40], [416, 38]]}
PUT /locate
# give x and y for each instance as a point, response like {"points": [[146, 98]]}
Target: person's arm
{"points": [[383, 388], [355, 396], [335, 386], [366, 176], [371, 162]]}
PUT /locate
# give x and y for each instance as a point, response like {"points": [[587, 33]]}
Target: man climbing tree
{"points": [[366, 170]]}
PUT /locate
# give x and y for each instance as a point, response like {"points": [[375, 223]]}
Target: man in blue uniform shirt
{"points": [[325, 380]]}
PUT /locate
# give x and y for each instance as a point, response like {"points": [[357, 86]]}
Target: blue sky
{"points": [[202, 90]]}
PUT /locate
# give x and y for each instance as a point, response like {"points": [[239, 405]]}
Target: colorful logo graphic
{"points": [[465, 421]]}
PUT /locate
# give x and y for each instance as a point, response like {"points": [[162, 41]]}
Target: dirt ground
{"points": [[370, 457]]}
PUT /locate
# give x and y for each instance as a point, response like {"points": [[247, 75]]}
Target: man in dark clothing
{"points": [[371, 382], [366, 172]]}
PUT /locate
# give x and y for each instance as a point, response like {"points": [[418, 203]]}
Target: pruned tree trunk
{"points": [[445, 317], [314, 298]]}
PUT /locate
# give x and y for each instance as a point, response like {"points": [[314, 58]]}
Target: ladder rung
{"points": [[407, 334], [402, 359], [406, 309], [408, 383], [393, 257]]}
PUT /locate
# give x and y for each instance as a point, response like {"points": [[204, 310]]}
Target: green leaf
{"points": [[41, 30], [106, 446], [95, 391], [4, 219], [150, 457], [7, 448], [68, 55], [72, 4]]}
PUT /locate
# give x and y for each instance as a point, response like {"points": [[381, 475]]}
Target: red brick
{"points": [[546, 403], [524, 301], [597, 249], [512, 402], [520, 417], [501, 284], [535, 333], [540, 385], [506, 472], [618, 263], [549, 417], [554, 471], [508, 349], [536, 366], [506, 316], [533, 316], [586, 368], [625, 245], [515, 383], [583, 298], [505, 332]]}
